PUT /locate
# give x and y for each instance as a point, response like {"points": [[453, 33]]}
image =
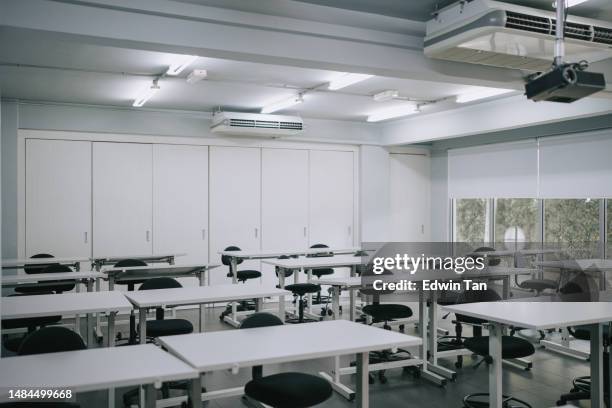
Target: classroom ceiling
{"points": [[50, 68]]}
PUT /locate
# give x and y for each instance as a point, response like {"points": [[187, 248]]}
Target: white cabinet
{"points": [[284, 203], [409, 179], [58, 198], [180, 202], [235, 204], [122, 199], [331, 198]]}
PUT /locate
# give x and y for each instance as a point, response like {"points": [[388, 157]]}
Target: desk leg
{"points": [[234, 269], [142, 321], [111, 343], [281, 299], [363, 394], [506, 287], [195, 393], [495, 368], [336, 302], [597, 377], [149, 395], [258, 305], [201, 321], [98, 329], [77, 317]]}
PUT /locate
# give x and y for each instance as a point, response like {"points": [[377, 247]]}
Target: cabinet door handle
{"points": [[256, 232], [203, 233], [349, 230], [304, 231], [85, 234], [148, 235]]}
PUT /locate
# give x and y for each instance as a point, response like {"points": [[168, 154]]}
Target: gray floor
{"points": [[551, 376]]}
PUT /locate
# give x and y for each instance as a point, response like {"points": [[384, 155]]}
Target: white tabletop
{"points": [[537, 315], [17, 307], [93, 369], [317, 262], [202, 294], [14, 279], [293, 342], [160, 269], [141, 257], [277, 253], [21, 262], [582, 264]]}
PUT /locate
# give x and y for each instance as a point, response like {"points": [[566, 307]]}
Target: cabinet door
{"points": [[122, 199], [235, 204], [284, 211], [331, 198], [58, 198], [180, 203], [409, 188]]}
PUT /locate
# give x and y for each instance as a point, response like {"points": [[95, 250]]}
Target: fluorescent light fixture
{"points": [[181, 62], [570, 3], [394, 112], [146, 94], [347, 79], [385, 95], [481, 93], [284, 104]]}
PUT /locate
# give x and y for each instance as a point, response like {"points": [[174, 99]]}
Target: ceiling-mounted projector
{"points": [[565, 83]]}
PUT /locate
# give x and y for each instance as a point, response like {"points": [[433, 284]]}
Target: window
{"points": [[574, 223], [471, 220], [516, 221]]}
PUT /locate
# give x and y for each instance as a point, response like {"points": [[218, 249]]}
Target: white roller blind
{"points": [[578, 166], [504, 170]]}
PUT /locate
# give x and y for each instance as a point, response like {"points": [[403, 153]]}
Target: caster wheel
{"points": [[402, 328], [330, 312], [323, 313], [340, 309]]}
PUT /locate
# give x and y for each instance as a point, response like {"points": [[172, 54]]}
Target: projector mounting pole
{"points": [[560, 34]]}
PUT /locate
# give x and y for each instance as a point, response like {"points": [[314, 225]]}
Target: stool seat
{"points": [[539, 284], [247, 274], [168, 327], [322, 271], [387, 312], [289, 390], [301, 289], [512, 347]]}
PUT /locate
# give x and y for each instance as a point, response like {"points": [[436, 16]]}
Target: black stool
{"points": [[131, 285], [284, 390], [300, 290], [512, 347], [241, 276]]}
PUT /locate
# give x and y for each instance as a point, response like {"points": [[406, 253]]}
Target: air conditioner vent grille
{"points": [[526, 22], [264, 124], [543, 25], [602, 35]]}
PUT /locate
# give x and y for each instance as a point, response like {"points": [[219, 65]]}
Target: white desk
{"points": [[111, 303], [145, 272], [235, 349], [541, 316], [94, 369], [87, 277], [234, 256], [146, 299], [20, 263], [168, 258]]}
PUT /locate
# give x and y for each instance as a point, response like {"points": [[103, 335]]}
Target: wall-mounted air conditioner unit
{"points": [[493, 33], [255, 124]]}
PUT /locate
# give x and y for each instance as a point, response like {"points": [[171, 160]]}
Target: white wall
{"points": [[374, 206]]}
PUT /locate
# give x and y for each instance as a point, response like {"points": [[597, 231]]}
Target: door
{"points": [[409, 188], [122, 199], [331, 198], [284, 211], [58, 198], [235, 205], [180, 203]]}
